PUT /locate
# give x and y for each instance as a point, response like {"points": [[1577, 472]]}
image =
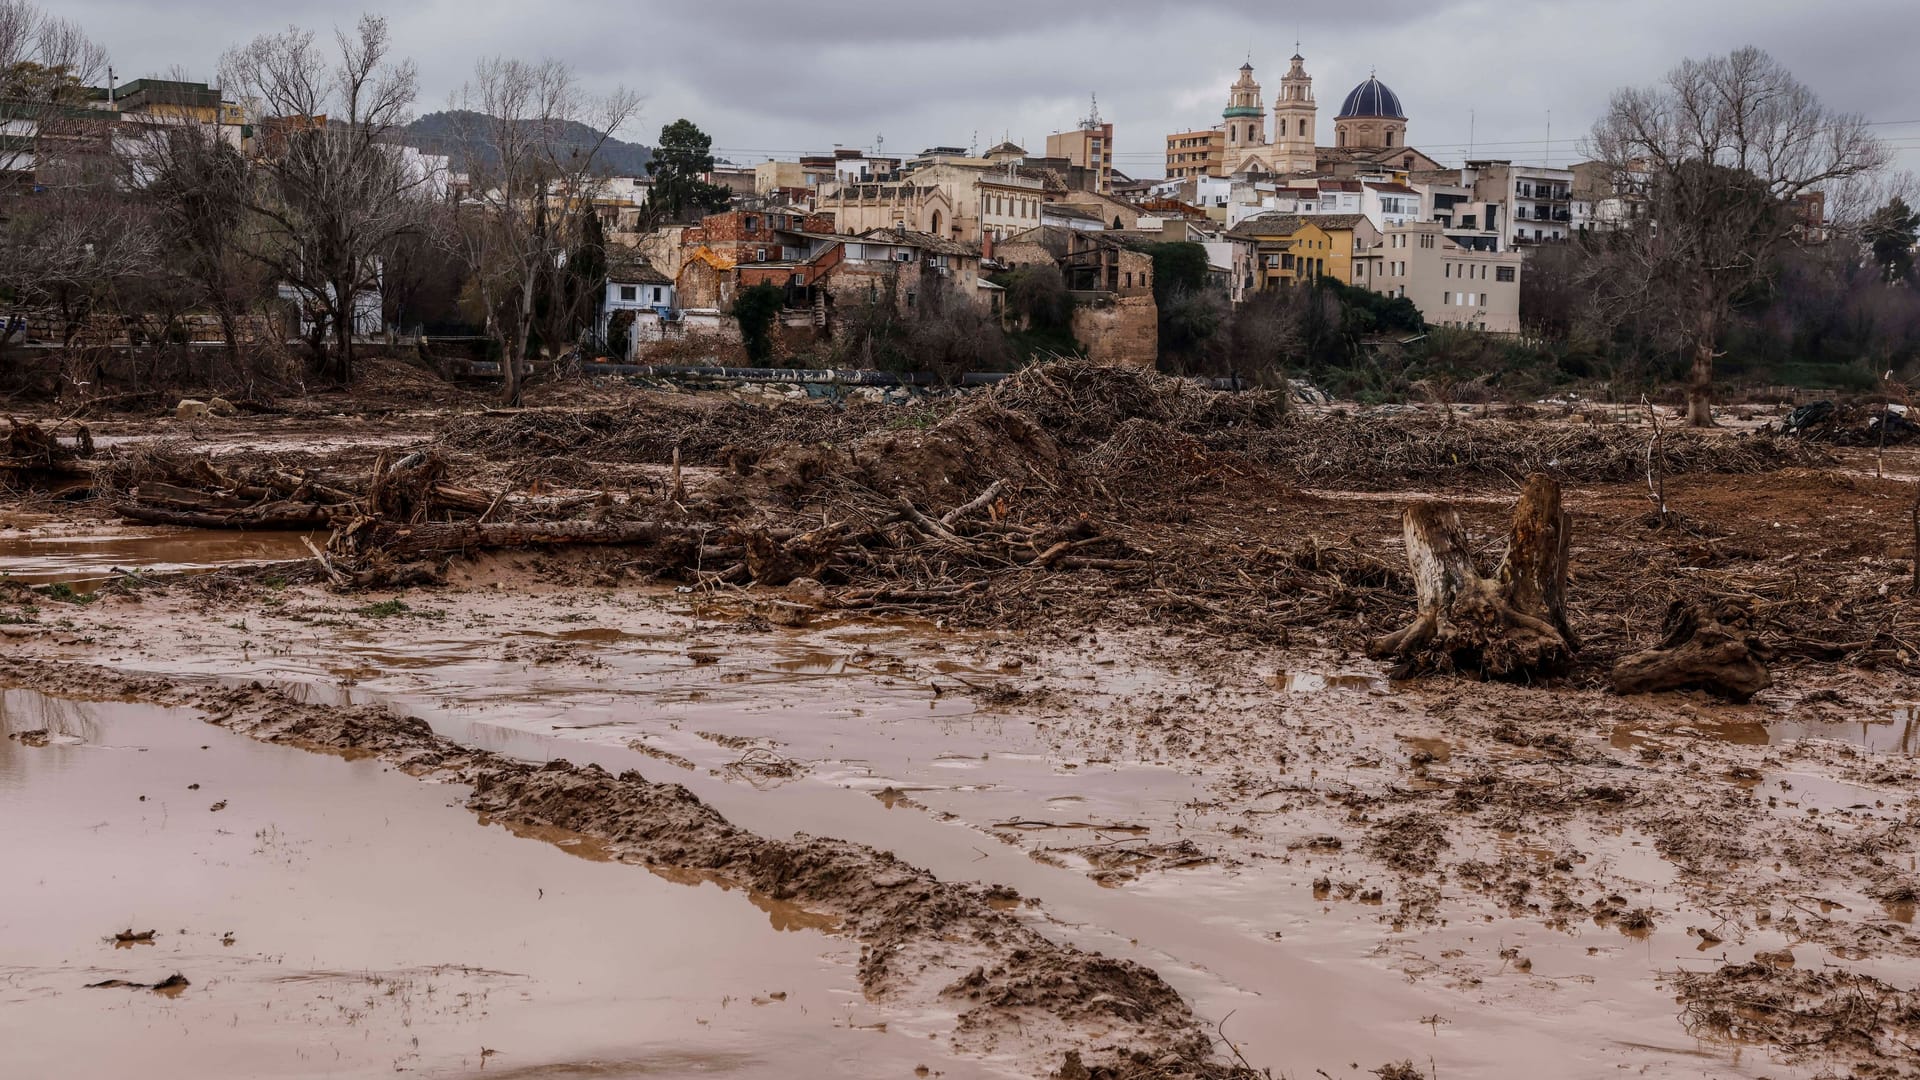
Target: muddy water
{"points": [[84, 559], [1895, 729], [334, 918], [886, 751]]}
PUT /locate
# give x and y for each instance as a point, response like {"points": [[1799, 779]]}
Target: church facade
{"points": [[1370, 132]]}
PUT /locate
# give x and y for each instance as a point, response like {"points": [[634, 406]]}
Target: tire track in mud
{"points": [[1022, 999]]}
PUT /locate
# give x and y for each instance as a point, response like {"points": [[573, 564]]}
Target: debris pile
{"points": [[1851, 423], [33, 457]]}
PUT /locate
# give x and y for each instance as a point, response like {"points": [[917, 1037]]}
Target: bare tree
{"points": [[333, 189], [198, 186], [44, 58], [1726, 146], [534, 184]]}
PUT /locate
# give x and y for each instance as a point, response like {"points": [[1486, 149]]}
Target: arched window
{"points": [[1233, 133], [936, 223], [1303, 129]]}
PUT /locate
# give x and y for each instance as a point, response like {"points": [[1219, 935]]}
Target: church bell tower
{"points": [[1294, 118]]}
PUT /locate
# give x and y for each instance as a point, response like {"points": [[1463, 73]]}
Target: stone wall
{"points": [[1122, 330]]}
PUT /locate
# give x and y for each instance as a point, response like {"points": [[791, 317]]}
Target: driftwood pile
{"points": [[983, 507], [33, 457]]}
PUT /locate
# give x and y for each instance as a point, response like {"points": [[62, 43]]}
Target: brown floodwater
{"points": [[1888, 729], [336, 918], [887, 753], [86, 559]]}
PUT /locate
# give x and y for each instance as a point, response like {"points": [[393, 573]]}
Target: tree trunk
{"points": [[343, 331], [1512, 625], [1710, 647], [513, 365], [1700, 376], [1700, 388], [230, 334]]}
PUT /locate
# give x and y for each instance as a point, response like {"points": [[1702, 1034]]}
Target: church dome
{"points": [[1372, 98]]}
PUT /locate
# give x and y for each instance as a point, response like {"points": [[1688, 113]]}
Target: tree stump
{"points": [[1712, 647], [1510, 625]]}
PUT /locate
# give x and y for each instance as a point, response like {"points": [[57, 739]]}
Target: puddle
{"points": [[1896, 733], [87, 559], [337, 917], [1314, 682]]}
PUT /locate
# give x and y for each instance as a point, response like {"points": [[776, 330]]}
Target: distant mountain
{"points": [[447, 133]]}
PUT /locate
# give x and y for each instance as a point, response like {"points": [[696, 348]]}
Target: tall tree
{"points": [[1889, 236], [198, 185], [333, 189], [1723, 147], [45, 59], [679, 168], [525, 219]]}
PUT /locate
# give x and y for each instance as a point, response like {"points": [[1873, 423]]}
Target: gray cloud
{"points": [[767, 78]]}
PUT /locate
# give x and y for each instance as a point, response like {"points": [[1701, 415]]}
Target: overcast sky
{"points": [[767, 79]]}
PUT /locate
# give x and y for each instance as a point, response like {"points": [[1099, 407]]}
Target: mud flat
{"points": [[331, 916], [1055, 702]]}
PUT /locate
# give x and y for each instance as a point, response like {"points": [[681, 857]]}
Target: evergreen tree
{"points": [[1890, 235], [756, 309], [684, 156]]}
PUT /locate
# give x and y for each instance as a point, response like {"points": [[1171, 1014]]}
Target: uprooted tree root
{"points": [[1510, 625], [1805, 1013]]}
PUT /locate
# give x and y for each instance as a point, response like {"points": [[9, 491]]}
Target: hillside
{"points": [[445, 133]]}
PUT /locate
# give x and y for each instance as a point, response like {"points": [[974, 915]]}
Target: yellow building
{"points": [[1291, 248]]}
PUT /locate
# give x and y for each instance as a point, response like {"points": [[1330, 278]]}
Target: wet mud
{"points": [[338, 918], [1168, 823]]}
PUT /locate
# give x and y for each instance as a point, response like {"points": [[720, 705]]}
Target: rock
{"points": [[806, 590], [786, 613], [191, 409], [221, 407]]}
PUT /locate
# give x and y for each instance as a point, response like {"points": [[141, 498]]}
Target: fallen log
{"points": [[271, 516], [1711, 646], [1510, 625], [429, 539]]}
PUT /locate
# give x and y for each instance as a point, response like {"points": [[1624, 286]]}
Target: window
{"points": [[759, 254], [656, 294], [1447, 298], [1503, 273], [753, 223], [628, 292], [1448, 272]]}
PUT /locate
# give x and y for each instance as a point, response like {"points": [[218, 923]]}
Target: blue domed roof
{"points": [[1372, 98]]}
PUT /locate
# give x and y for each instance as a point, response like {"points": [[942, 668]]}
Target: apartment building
{"points": [[1196, 153], [1538, 200], [1451, 285], [1090, 147]]}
